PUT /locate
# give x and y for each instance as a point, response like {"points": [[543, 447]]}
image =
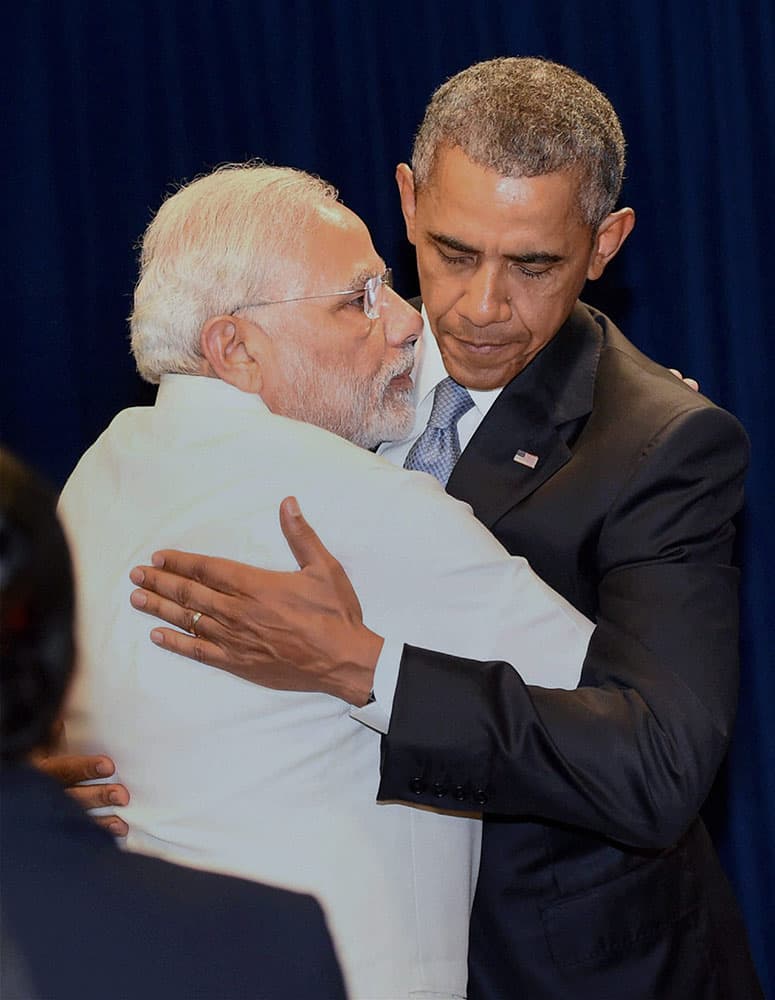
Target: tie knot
{"points": [[450, 402]]}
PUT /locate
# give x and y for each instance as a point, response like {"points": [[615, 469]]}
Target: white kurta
{"points": [[280, 786]]}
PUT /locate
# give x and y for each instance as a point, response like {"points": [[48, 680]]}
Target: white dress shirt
{"points": [[280, 786]]}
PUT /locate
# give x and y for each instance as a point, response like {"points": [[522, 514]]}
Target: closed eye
{"points": [[455, 259], [528, 273]]}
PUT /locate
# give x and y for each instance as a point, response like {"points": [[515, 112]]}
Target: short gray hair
{"points": [[525, 117], [214, 244]]}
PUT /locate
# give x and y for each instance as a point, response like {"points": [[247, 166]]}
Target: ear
{"points": [[610, 236], [405, 181], [229, 345]]}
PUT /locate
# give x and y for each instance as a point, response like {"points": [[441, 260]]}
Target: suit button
{"points": [[480, 796], [459, 793], [439, 790], [417, 786]]}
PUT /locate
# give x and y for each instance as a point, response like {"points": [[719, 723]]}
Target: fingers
{"points": [[190, 646], [692, 383], [99, 796], [301, 538], [149, 602], [176, 595], [69, 769], [198, 641], [203, 640], [219, 590], [189, 568], [113, 824]]}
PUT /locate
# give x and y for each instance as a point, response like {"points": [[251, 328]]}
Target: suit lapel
{"points": [[538, 413], [486, 475]]}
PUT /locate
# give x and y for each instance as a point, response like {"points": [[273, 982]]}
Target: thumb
{"points": [[301, 538]]}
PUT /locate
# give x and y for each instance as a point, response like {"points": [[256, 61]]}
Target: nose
{"points": [[401, 322], [486, 298]]}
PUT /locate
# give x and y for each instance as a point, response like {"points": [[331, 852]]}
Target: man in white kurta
{"points": [[281, 786]]}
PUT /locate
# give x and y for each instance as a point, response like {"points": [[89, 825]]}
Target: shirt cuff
{"points": [[376, 715]]}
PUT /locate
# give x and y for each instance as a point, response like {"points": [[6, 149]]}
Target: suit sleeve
{"points": [[632, 753]]}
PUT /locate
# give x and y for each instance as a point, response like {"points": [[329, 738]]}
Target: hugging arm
{"points": [[632, 753], [299, 631]]}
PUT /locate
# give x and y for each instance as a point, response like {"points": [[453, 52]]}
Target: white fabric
{"points": [[273, 785]]}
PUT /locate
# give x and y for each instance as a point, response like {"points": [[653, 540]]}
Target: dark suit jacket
{"points": [[598, 880], [83, 920]]}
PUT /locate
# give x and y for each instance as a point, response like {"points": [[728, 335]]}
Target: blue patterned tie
{"points": [[438, 447]]}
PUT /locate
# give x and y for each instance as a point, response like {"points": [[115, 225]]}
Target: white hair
{"points": [[216, 243]]}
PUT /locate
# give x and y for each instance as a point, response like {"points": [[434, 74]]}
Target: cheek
{"points": [[538, 312], [544, 304], [366, 359], [439, 287], [439, 297]]}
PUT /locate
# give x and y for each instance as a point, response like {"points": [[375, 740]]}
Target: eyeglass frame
{"points": [[371, 295]]}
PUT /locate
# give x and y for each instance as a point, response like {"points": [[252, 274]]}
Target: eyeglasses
{"points": [[372, 295]]}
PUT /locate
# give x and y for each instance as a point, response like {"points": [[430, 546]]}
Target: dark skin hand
{"points": [[296, 631], [69, 769]]}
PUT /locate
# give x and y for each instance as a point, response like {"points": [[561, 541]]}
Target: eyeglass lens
{"points": [[373, 290]]}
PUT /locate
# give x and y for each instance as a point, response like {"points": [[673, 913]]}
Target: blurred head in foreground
{"points": [[36, 611]]}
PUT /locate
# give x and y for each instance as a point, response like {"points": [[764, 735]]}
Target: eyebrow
{"points": [[531, 257], [358, 282]]}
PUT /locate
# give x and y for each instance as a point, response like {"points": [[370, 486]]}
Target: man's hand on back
{"points": [[299, 631], [691, 382], [69, 769]]}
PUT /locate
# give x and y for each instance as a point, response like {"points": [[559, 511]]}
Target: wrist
{"points": [[354, 676]]}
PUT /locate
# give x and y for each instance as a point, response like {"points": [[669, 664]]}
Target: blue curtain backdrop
{"points": [[107, 103]]}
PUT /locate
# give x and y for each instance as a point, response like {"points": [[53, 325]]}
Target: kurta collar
{"points": [[197, 391]]}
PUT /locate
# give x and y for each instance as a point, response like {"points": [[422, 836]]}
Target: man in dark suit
{"points": [[80, 918], [598, 879]]}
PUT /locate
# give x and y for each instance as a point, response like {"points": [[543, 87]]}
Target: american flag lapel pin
{"points": [[526, 458]]}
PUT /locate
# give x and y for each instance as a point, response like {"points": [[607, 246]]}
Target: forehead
{"points": [[483, 208], [336, 249]]}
